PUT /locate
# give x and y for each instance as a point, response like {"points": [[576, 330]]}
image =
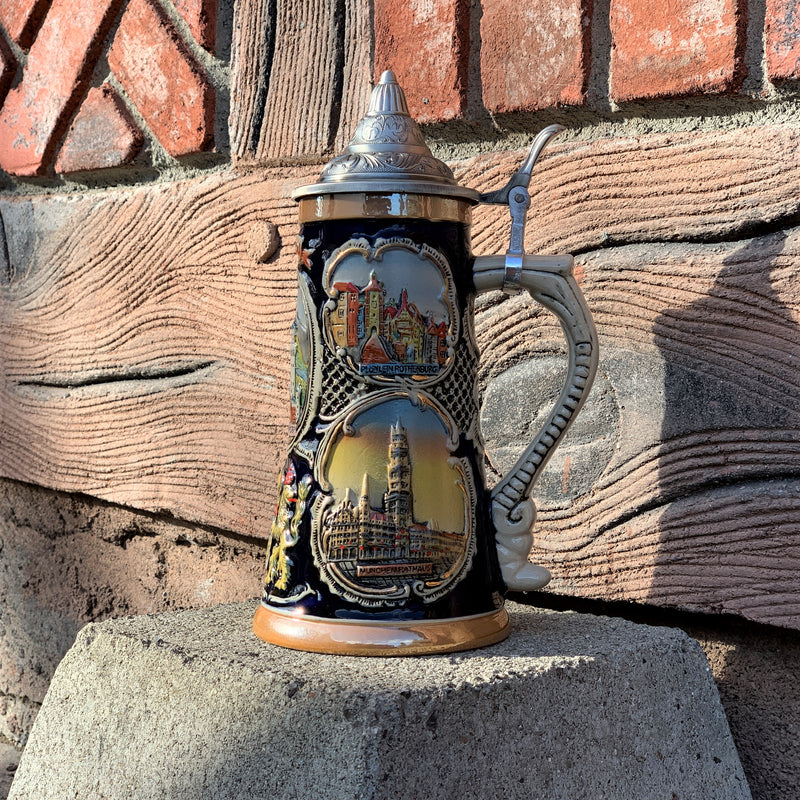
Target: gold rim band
{"points": [[363, 205], [400, 638]]}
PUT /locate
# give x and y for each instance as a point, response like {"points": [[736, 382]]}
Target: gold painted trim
{"points": [[357, 638], [363, 205]]}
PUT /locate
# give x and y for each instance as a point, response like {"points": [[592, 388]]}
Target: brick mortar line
{"points": [[460, 140], [218, 72], [754, 57], [598, 91], [159, 156], [160, 162], [476, 112], [58, 142], [25, 183], [20, 56]]}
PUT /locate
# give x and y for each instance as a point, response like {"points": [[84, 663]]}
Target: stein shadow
{"points": [[729, 453], [729, 491]]}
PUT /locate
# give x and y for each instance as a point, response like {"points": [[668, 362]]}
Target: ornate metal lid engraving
{"points": [[387, 154]]}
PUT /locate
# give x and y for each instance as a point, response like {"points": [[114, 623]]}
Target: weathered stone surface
{"points": [[679, 483], [782, 40], [263, 240], [162, 79], [515, 406], [533, 55], [9, 758], [66, 561], [427, 46], [677, 48], [300, 79], [113, 338], [192, 705], [299, 106], [755, 668], [201, 17], [357, 67], [665, 187], [7, 68], [59, 63], [21, 18]]}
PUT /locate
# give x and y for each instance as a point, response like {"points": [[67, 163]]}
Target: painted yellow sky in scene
{"points": [[434, 483]]}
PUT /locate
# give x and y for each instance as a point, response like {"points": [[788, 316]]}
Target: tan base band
{"points": [[355, 638]]}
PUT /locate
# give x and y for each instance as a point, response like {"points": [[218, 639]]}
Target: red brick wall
{"points": [[54, 119], [539, 55], [62, 111]]}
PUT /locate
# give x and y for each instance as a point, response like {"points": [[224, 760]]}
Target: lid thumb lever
{"points": [[515, 193], [522, 177]]}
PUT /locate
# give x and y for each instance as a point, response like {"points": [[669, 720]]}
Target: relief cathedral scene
{"points": [[398, 519], [388, 541]]}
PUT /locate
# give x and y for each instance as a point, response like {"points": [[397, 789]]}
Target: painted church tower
{"points": [[398, 494], [373, 306]]}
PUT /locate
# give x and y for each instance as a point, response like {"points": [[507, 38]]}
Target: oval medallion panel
{"points": [[396, 519], [391, 314], [306, 367]]}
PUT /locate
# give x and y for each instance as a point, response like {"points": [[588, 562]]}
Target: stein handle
{"points": [[549, 280]]}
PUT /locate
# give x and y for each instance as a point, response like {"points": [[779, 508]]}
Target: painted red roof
{"points": [[345, 287]]}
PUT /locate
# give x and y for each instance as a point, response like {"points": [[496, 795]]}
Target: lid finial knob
{"points": [[387, 154]]}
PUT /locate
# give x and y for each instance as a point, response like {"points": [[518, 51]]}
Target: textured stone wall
{"points": [[148, 150], [66, 560]]}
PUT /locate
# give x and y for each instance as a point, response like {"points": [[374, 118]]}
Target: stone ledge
{"points": [[192, 705]]}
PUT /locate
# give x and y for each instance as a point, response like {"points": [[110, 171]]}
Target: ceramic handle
{"points": [[549, 281]]}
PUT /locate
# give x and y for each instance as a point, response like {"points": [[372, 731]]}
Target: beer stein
{"points": [[385, 539]]}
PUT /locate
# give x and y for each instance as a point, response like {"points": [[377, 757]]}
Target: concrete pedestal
{"points": [[191, 705]]}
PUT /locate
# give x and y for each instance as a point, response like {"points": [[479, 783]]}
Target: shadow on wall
{"points": [[729, 464], [729, 482]]}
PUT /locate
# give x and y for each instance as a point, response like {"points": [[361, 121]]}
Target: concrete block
{"points": [[9, 759], [192, 705]]}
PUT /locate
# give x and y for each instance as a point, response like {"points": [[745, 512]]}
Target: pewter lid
{"points": [[387, 154]]}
